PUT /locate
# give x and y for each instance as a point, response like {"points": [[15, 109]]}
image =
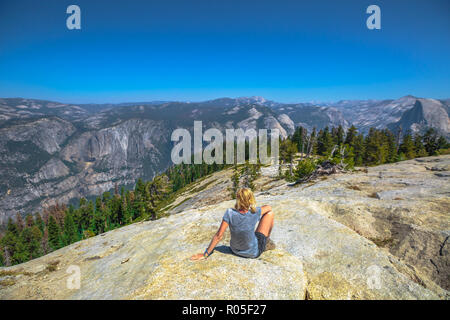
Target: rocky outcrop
{"points": [[410, 113], [402, 207], [426, 113], [287, 123], [29, 159], [310, 116], [47, 134], [336, 238], [53, 169]]}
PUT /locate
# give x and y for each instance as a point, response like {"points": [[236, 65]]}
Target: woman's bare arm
{"points": [[215, 240], [265, 208]]}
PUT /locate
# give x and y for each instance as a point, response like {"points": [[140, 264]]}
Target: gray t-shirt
{"points": [[242, 227]]}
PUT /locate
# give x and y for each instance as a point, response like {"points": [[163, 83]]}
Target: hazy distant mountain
{"points": [[309, 116], [20, 109], [425, 113], [411, 113], [231, 102], [53, 151]]}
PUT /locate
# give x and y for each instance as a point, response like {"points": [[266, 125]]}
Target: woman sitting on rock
{"points": [[245, 241]]}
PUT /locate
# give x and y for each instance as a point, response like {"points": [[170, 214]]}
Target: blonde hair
{"points": [[245, 200]]}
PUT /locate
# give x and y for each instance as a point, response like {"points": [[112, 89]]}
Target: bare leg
{"points": [[266, 224]]}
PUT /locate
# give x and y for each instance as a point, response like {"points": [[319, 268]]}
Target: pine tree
{"points": [[249, 174], [288, 150], [9, 242], [2, 259], [304, 168], [312, 144], [140, 187], [324, 142], [339, 137], [19, 222], [21, 253], [97, 223], [430, 141], [70, 230], [359, 149], [35, 242], [138, 204], [347, 156], [32, 237], [235, 179], [155, 191], [280, 170], [6, 257], [44, 242], [351, 136], [125, 212], [29, 221], [86, 213], [376, 147], [54, 234], [299, 138], [442, 143], [419, 147], [391, 146], [407, 147], [12, 228], [39, 222]]}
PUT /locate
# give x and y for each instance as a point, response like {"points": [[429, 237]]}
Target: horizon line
{"points": [[162, 101]]}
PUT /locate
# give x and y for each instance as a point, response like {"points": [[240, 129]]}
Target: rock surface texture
{"points": [[380, 234]]}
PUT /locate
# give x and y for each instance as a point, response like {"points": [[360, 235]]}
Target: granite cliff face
{"points": [[410, 113], [380, 234], [312, 116], [49, 160], [425, 113]]}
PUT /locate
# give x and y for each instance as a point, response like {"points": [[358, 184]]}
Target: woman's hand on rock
{"points": [[198, 256]]}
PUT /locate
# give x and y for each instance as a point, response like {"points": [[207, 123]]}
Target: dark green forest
{"points": [[61, 225], [350, 148]]}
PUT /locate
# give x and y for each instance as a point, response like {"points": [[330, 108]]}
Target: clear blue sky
{"points": [[288, 51]]}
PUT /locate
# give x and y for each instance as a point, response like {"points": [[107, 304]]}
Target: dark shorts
{"points": [[262, 240]]}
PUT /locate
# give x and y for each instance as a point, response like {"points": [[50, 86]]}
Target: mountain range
{"points": [[51, 151]]}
